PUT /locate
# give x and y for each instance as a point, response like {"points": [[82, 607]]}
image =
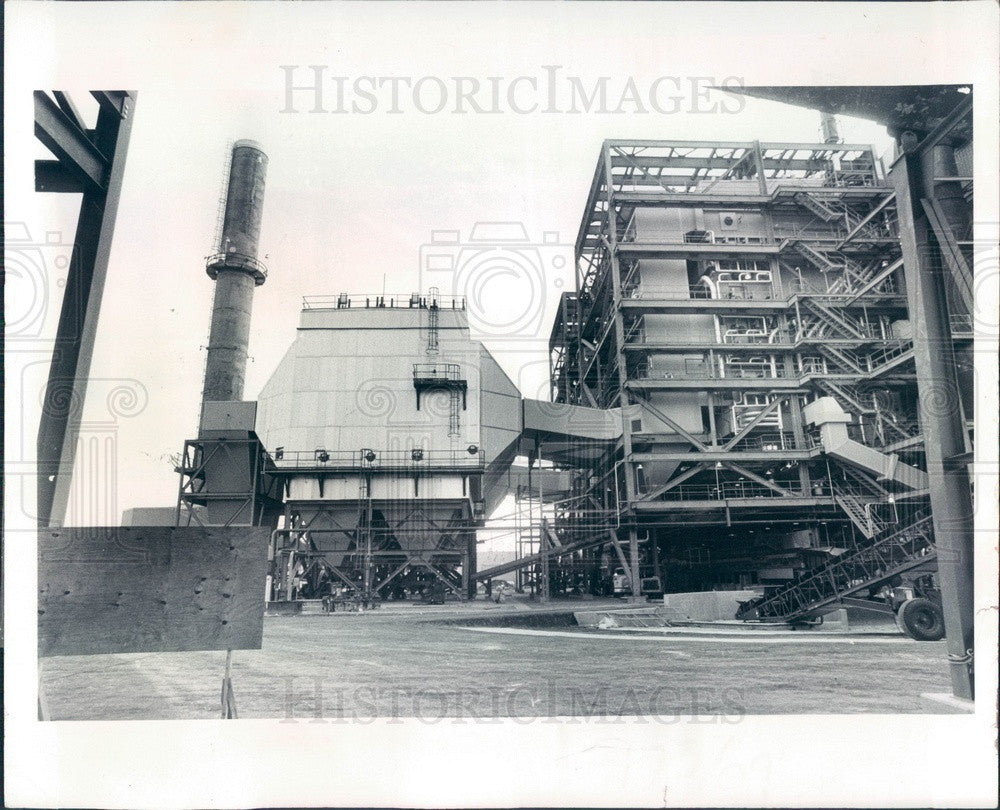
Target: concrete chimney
{"points": [[236, 271], [828, 125]]}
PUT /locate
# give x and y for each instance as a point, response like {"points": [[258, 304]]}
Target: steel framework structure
{"points": [[834, 583], [933, 185], [810, 301], [377, 545], [90, 162], [227, 481]]}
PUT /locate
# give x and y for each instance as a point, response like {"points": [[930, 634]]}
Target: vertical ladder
{"points": [[432, 324], [363, 542], [220, 214], [454, 412]]}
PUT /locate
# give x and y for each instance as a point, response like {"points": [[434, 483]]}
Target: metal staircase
{"points": [[859, 513], [843, 357], [888, 429], [855, 277], [826, 588], [838, 322], [817, 206], [846, 395], [813, 256], [888, 356]]}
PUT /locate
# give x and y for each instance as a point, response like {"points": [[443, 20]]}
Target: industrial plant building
{"points": [[734, 399], [746, 304]]}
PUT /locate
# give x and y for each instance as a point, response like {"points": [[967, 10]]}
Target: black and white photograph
{"points": [[481, 404]]}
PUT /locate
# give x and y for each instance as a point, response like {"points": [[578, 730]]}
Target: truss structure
{"points": [[795, 288]]}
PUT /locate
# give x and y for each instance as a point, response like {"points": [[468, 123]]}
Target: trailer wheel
{"points": [[921, 619]]}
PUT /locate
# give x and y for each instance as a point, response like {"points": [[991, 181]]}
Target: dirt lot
{"points": [[432, 663]]}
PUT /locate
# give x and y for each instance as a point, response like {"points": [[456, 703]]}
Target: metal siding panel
{"points": [[150, 589]]}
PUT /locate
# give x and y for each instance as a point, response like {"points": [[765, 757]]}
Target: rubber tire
{"points": [[921, 619]]}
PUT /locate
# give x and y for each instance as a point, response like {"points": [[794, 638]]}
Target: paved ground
{"points": [[469, 661]]}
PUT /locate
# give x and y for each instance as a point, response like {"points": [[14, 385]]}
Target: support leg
{"points": [[228, 700]]}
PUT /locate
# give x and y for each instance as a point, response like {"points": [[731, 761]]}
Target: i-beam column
{"points": [[91, 162], [623, 396], [943, 428]]}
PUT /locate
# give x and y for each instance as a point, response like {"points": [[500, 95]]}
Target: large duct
{"points": [[236, 271]]}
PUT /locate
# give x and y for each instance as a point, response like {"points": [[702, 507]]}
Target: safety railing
{"points": [[236, 261], [471, 457], [437, 372], [776, 441], [729, 490], [630, 235], [888, 353], [382, 301], [703, 370], [693, 291], [754, 337], [961, 325]]}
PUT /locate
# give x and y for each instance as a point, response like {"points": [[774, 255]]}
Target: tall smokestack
{"points": [[828, 125], [236, 271]]}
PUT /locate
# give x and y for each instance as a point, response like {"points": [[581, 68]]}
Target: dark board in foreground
{"points": [[150, 589]]}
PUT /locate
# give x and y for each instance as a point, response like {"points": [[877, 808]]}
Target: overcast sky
{"points": [[351, 197]]}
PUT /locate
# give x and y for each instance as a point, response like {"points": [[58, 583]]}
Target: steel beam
{"points": [[694, 440], [784, 384], [866, 220], [69, 108], [98, 160], [943, 428], [55, 176], [693, 250], [72, 145], [673, 482], [754, 502], [729, 201], [626, 566], [961, 274], [716, 163], [771, 408], [731, 455], [760, 479], [641, 143]]}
